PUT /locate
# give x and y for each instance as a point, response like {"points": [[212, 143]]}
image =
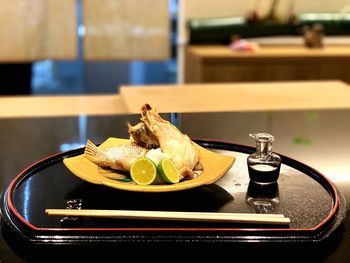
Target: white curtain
{"points": [[37, 29], [126, 29]]}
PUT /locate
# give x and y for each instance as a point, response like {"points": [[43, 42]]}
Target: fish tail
{"points": [[92, 152]]}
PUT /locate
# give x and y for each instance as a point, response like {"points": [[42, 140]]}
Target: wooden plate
{"points": [[214, 166]]}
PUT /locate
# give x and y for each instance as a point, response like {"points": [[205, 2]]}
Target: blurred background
{"points": [[91, 46], [54, 47]]}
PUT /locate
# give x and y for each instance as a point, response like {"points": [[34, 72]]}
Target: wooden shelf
{"points": [[269, 63]]}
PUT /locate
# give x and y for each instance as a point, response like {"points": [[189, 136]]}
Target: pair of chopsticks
{"points": [[276, 219]]}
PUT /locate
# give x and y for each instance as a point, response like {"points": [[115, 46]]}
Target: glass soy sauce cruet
{"points": [[263, 165]]}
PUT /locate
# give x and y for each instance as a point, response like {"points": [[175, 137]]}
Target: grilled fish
{"points": [[178, 146], [154, 138], [118, 158]]}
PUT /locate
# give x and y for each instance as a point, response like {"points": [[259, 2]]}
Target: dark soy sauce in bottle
{"points": [[263, 165]]}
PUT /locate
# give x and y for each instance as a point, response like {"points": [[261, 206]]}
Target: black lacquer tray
{"points": [[315, 206]]}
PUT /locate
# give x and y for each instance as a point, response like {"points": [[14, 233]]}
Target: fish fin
{"points": [[130, 127], [187, 173], [91, 151]]}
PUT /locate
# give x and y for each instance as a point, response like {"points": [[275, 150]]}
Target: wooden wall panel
{"points": [[37, 29], [126, 29]]}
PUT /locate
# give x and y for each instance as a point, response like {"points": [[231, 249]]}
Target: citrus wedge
{"points": [[168, 172], [143, 171]]}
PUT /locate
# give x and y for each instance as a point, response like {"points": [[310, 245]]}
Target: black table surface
{"points": [[317, 138]]}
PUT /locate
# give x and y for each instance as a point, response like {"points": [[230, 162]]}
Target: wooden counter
{"points": [[186, 98], [239, 96], [42, 106], [269, 63]]}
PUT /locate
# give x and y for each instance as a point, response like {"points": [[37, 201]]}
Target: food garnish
{"points": [[143, 171], [168, 172]]}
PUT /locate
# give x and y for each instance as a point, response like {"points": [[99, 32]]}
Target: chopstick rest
{"points": [[279, 219]]}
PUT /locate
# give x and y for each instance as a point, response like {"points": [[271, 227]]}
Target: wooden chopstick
{"points": [[170, 215]]}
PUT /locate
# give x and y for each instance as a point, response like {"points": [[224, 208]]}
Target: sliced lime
{"points": [[168, 172], [143, 171]]}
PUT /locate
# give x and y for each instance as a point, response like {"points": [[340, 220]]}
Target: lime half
{"points": [[168, 172], [143, 171]]}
